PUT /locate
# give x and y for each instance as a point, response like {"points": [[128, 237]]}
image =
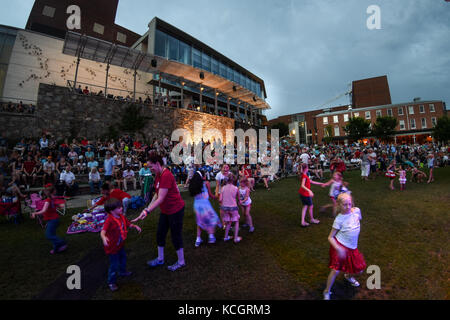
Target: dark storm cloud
{"points": [[309, 51]]}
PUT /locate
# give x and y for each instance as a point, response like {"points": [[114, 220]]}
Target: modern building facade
{"points": [[163, 63]]}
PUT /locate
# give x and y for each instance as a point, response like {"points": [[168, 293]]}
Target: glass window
{"points": [[356, 114], [346, 117], [236, 77], [206, 62], [431, 107], [336, 132], [367, 114], [424, 123], [389, 112], [222, 70], [3, 70], [173, 48], [325, 120], [400, 111], [229, 73], [422, 109], [378, 113], [411, 109], [242, 80], [184, 55], [433, 122], [99, 28], [413, 123], [214, 66], [6, 47], [197, 58], [402, 124], [160, 44], [248, 84], [336, 119]]}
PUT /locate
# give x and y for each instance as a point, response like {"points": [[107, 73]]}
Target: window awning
{"points": [[93, 49]]}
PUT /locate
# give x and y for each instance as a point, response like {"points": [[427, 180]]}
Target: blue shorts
{"points": [[306, 201]]}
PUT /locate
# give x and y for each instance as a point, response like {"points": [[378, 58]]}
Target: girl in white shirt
{"points": [[343, 238]]}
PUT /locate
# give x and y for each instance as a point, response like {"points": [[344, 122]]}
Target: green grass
{"points": [[404, 233]]}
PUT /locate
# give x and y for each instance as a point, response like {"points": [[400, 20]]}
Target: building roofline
{"points": [[378, 107], [174, 31]]}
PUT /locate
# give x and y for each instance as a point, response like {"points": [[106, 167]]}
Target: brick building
{"points": [[97, 19], [415, 119]]}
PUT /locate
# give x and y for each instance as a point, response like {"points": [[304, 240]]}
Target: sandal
{"points": [[238, 239], [176, 266]]}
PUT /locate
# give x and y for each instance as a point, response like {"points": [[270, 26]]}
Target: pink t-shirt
{"points": [[229, 193]]}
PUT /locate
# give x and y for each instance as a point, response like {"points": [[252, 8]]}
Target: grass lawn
{"points": [[404, 233]]}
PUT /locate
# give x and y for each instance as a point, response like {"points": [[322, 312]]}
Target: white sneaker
{"points": [[198, 243], [352, 281], [326, 295]]}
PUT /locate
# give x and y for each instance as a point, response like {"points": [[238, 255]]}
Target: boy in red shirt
{"points": [[114, 234]]}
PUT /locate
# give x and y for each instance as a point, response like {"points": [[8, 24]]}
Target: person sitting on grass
{"points": [[113, 235], [417, 175], [51, 216]]}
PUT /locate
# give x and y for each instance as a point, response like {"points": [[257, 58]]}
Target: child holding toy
{"points": [[114, 234]]}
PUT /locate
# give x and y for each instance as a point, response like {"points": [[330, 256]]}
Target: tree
{"points": [[441, 131], [284, 128], [328, 134], [384, 128], [132, 120], [357, 128]]}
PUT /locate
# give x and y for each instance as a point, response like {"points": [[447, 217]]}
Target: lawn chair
{"points": [[35, 203]]}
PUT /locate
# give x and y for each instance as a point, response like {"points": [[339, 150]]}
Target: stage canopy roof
{"points": [[93, 49]]}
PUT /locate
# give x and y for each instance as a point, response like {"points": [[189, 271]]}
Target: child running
{"points": [[338, 186], [51, 216], [343, 238], [390, 173], [207, 218], [306, 195], [246, 203], [114, 234], [228, 200]]}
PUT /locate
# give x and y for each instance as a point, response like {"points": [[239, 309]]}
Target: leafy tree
{"points": [[132, 120], [384, 128], [357, 128], [441, 131], [328, 134], [284, 128]]}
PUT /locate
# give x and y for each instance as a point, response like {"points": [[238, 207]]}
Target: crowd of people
{"points": [[17, 107], [114, 164]]}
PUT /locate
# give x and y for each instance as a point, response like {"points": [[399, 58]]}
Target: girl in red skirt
{"points": [[343, 238]]}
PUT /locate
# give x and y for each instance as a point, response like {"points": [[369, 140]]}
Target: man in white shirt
{"points": [[305, 157], [67, 179], [128, 175]]}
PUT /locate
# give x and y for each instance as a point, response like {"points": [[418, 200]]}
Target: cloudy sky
{"points": [[308, 51]]}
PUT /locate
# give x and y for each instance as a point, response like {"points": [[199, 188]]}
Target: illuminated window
{"points": [[346, 117], [336, 119], [367, 114]]}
